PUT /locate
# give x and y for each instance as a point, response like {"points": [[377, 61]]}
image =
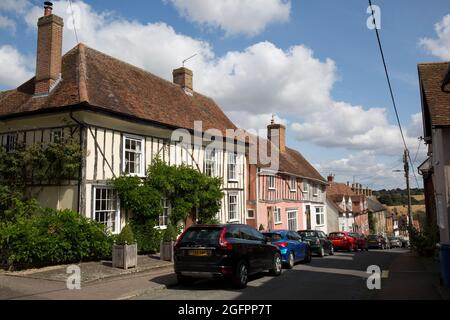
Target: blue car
{"points": [[292, 248]]}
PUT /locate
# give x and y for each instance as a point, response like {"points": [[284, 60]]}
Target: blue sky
{"points": [[315, 64]]}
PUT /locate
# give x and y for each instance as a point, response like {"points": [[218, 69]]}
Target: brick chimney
{"points": [[276, 133], [330, 178], [49, 51], [184, 78]]}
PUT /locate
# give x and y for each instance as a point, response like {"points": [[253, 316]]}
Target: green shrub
{"points": [[52, 237], [170, 234], [424, 243], [147, 236], [126, 236]]}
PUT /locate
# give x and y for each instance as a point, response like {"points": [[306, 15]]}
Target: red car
{"points": [[343, 241], [361, 241]]}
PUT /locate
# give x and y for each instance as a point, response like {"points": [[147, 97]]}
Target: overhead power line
{"points": [[390, 89]]}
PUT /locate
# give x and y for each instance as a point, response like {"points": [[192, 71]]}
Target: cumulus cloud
{"points": [[16, 68], [18, 6], [440, 46], [7, 23], [248, 17]]}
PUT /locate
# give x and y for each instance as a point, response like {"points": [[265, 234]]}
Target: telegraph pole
{"points": [[406, 166]]}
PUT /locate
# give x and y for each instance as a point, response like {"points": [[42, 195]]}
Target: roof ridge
{"points": [[82, 74]]}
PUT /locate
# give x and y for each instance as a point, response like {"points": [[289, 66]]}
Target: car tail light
{"points": [[223, 243], [345, 239], [177, 243], [282, 244]]}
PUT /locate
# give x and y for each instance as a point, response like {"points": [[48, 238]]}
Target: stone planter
{"points": [[166, 250], [124, 256]]}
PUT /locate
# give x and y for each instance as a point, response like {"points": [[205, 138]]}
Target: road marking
{"points": [[348, 272], [338, 258], [385, 274]]}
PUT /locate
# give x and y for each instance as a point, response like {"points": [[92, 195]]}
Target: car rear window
{"points": [[372, 237], [205, 236], [354, 235], [273, 236], [337, 234], [307, 234]]}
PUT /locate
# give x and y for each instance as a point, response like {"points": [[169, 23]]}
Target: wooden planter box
{"points": [[166, 251], [124, 256]]}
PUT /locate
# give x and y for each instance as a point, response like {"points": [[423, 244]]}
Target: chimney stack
{"points": [[276, 133], [330, 177], [184, 78], [49, 51]]}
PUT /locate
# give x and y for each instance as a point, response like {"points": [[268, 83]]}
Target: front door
{"points": [[308, 217]]}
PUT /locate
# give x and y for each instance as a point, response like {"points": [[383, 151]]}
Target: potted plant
{"points": [[167, 243], [124, 253]]}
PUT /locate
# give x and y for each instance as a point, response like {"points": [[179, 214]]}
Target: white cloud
{"points": [[7, 23], [18, 6], [249, 17], [440, 46], [15, 69]]}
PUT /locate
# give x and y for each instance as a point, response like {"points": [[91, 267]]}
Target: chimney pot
{"points": [[184, 78], [48, 8]]}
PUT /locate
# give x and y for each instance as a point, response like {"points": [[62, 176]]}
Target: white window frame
{"points": [[295, 212], [305, 186], [293, 179], [315, 190], [166, 205], [236, 204], [320, 212], [141, 140], [11, 142], [252, 216], [270, 185], [54, 133], [117, 221], [232, 166], [210, 162], [277, 219]]}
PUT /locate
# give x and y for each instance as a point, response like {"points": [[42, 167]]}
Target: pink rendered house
{"points": [[292, 197]]}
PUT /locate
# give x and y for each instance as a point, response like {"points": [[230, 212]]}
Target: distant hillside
{"points": [[399, 197]]}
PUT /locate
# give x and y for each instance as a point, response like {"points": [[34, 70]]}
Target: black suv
{"points": [[233, 251], [318, 241]]}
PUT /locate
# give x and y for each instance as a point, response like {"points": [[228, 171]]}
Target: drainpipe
{"points": [[257, 198], [80, 170]]}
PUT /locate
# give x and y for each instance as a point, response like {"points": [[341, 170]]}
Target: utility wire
{"points": [[73, 21], [390, 90], [418, 148]]}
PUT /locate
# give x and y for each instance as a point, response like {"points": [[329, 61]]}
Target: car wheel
{"points": [[322, 252], [291, 260], [308, 256], [277, 265], [331, 251], [240, 277], [184, 280], [350, 248]]}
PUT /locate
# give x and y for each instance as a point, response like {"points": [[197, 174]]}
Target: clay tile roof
{"points": [[335, 188], [435, 82], [374, 205], [333, 200], [105, 83]]}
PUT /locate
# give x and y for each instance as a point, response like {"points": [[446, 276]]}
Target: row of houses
{"points": [[123, 117]]}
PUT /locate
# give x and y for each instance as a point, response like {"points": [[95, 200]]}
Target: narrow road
{"points": [[342, 276]]}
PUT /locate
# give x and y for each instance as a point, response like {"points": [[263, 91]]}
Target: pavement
{"points": [[342, 276]]}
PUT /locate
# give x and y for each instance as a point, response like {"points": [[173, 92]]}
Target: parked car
{"points": [[292, 248], [230, 251], [361, 241], [377, 242], [405, 242], [395, 242], [387, 242], [342, 241], [318, 241]]}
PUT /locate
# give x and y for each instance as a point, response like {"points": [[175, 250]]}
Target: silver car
{"points": [[395, 242]]}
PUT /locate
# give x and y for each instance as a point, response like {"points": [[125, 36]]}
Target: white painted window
{"points": [[210, 162], [133, 155], [106, 208], [320, 217], [271, 182], [251, 214], [11, 142], [164, 217], [277, 217], [56, 135], [232, 166], [315, 190], [292, 220], [232, 207], [305, 186], [293, 184]]}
